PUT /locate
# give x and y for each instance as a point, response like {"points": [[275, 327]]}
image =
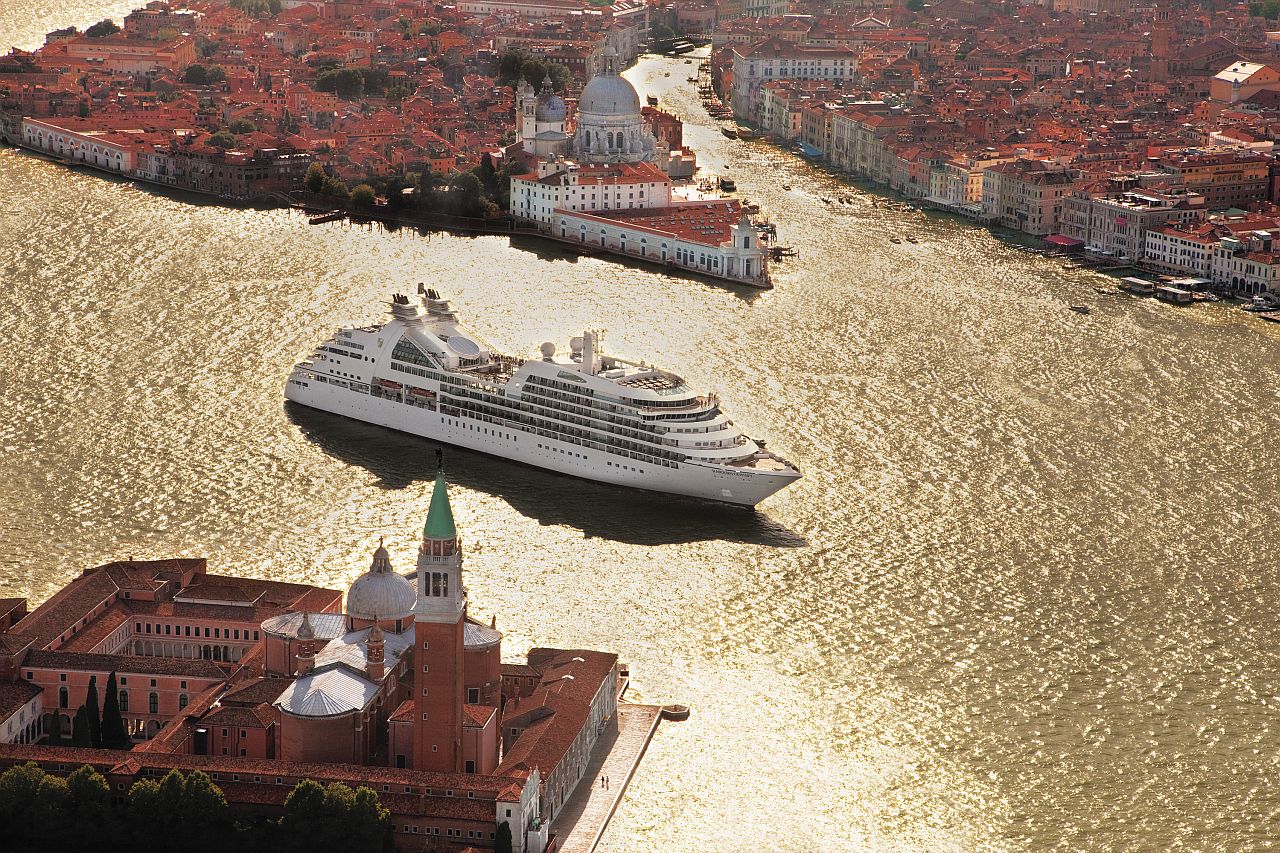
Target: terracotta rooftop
{"points": [[571, 678], [705, 222], [476, 716], [15, 694], [83, 662]]}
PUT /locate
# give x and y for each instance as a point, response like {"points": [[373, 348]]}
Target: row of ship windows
{"points": [[583, 456], [627, 428], [572, 439], [597, 437], [491, 432], [548, 433]]}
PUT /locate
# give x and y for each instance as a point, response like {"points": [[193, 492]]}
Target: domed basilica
{"points": [[609, 125]]}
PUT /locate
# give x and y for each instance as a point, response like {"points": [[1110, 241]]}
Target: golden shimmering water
{"points": [[1024, 597]]}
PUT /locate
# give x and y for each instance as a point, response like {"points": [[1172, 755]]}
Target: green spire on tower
{"points": [[440, 515]]}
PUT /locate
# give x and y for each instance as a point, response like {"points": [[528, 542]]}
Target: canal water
{"points": [[1023, 598]]}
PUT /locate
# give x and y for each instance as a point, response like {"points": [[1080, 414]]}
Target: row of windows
{"points": [[451, 833], [153, 700], [193, 631]]}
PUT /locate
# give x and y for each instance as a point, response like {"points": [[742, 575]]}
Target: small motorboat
{"points": [[895, 240], [786, 186], [911, 239], [1080, 309]]}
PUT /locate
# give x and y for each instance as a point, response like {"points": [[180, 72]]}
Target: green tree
{"points": [[222, 139], [145, 816], [305, 817], [336, 187], [55, 728], [94, 710], [346, 83], [51, 804], [502, 841], [173, 788], [510, 63], [398, 92], [243, 125], [80, 731], [20, 804], [362, 197], [82, 109], [488, 174], [371, 827], [89, 813], [466, 195], [205, 814], [314, 181], [105, 27], [114, 735], [915, 5]]}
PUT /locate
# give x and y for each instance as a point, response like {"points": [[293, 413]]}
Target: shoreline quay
{"points": [[503, 225]]}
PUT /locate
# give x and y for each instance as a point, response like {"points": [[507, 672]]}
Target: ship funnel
{"points": [[589, 358]]}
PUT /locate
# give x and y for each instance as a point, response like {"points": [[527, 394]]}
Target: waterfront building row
{"points": [[182, 159]]}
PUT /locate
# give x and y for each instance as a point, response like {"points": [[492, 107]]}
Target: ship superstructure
{"points": [[587, 414]]}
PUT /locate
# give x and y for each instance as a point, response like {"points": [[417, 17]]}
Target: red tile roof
{"points": [[82, 662], [15, 694], [558, 709], [705, 222], [477, 716]]}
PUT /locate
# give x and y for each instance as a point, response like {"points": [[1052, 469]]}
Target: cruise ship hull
{"points": [[724, 484]]}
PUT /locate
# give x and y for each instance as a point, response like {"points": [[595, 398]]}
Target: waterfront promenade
{"points": [[582, 821]]}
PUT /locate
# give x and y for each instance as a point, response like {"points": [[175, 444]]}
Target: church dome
{"points": [[551, 108], [380, 593], [609, 95]]}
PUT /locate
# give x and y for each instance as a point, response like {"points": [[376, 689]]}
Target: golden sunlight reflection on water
{"points": [[1021, 599]]}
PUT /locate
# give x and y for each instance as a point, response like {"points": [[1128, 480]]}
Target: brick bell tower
{"points": [[438, 633]]}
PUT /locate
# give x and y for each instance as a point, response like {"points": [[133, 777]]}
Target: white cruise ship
{"points": [[587, 414]]}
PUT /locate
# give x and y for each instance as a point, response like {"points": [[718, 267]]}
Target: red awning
{"points": [[1064, 242]]}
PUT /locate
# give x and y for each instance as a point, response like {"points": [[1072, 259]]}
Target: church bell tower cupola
{"points": [[441, 596]]}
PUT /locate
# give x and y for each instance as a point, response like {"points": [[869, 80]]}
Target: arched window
{"points": [[610, 138], [182, 701], [62, 697], [153, 703], [124, 701]]}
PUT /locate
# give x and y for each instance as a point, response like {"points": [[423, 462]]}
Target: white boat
{"points": [[586, 414]]}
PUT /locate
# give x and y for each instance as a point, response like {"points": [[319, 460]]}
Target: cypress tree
{"points": [[55, 727], [95, 713], [502, 843], [113, 733], [80, 728]]}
